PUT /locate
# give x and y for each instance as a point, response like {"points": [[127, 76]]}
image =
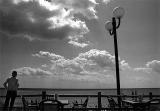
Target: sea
{"points": [[92, 100]]}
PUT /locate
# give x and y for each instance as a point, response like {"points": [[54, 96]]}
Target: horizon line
{"points": [[76, 88]]}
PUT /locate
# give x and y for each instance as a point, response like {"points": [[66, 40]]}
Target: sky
{"points": [[64, 44]]}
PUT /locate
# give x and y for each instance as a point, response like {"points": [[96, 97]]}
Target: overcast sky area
{"points": [[63, 43]]}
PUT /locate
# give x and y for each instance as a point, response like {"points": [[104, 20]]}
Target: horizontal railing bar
{"points": [[80, 95], [107, 108]]}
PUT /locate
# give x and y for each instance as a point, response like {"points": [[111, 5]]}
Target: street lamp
{"points": [[111, 26]]}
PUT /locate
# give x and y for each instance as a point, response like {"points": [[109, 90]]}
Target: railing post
{"points": [[43, 95], [56, 96], [150, 95], [99, 100]]}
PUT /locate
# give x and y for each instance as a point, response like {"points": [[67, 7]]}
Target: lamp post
{"points": [[112, 26]]}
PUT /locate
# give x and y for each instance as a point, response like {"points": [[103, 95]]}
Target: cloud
{"points": [[124, 65], [105, 1], [94, 65], [143, 70], [43, 20], [36, 72], [154, 65], [79, 41], [44, 65], [84, 7], [76, 43], [150, 67], [102, 60], [93, 62], [43, 54]]}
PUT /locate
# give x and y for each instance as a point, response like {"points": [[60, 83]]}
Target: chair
{"points": [[50, 105], [82, 106], [154, 105], [112, 104], [27, 106], [128, 107]]}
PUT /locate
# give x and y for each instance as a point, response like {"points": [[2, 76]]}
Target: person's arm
{"points": [[5, 84], [17, 83]]}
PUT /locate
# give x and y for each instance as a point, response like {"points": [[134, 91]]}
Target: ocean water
{"points": [[92, 101]]}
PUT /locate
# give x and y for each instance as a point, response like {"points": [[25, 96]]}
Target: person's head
{"points": [[14, 73]]}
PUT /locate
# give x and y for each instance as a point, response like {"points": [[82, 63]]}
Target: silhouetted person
{"points": [[11, 85]]}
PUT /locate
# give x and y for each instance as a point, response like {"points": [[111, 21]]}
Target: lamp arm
{"points": [[119, 22]]}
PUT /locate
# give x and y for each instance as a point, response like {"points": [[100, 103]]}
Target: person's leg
{"points": [[13, 96], [7, 100]]}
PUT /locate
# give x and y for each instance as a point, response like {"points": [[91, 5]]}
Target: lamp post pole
{"points": [[112, 27], [116, 60]]}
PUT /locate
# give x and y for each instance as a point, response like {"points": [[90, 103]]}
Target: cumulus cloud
{"points": [[43, 20], [154, 65], [96, 59], [124, 65], [93, 65], [150, 67], [93, 62], [28, 71]]}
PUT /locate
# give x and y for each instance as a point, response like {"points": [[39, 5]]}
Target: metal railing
{"points": [[98, 106]]}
